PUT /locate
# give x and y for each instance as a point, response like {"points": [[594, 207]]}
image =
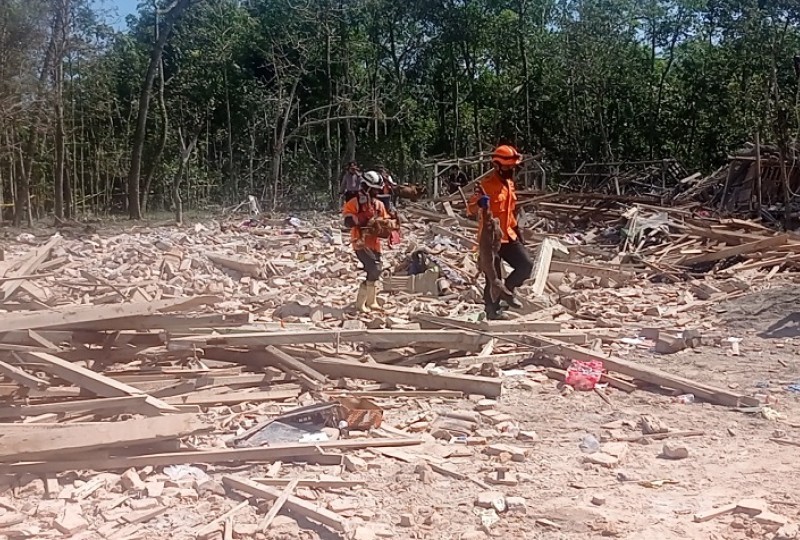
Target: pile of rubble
{"points": [[141, 367]]}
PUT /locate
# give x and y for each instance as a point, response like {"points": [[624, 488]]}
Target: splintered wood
{"points": [[149, 353]]}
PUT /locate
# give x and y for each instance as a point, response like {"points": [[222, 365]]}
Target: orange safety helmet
{"points": [[506, 155]]}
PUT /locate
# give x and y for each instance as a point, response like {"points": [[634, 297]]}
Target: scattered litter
{"points": [[584, 375]]}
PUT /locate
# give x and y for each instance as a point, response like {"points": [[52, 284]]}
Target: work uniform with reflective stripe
{"points": [[502, 202], [353, 208]]}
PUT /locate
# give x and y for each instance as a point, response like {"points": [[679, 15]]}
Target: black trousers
{"points": [[372, 263], [515, 254]]}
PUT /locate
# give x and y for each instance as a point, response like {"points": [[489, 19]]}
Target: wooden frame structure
{"points": [[531, 173]]}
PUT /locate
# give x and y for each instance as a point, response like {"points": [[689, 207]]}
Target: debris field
{"points": [[214, 381]]}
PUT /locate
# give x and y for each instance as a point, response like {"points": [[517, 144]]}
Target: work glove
{"points": [[483, 202], [363, 218]]}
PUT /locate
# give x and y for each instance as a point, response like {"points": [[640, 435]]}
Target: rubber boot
{"points": [[361, 298], [372, 296], [512, 302], [493, 313]]}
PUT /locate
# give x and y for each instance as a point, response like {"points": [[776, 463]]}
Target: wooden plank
{"points": [[310, 378], [734, 251], [708, 515], [443, 394], [278, 504], [130, 404], [312, 482], [165, 321], [74, 315], [387, 338], [645, 373], [29, 266], [501, 361], [243, 265], [283, 452], [25, 277], [620, 276], [74, 438], [543, 261], [293, 503], [94, 382], [428, 322], [212, 525], [465, 339], [21, 377], [418, 378], [233, 398]]}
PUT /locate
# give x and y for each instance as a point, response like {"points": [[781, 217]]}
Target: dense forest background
{"points": [[208, 101]]}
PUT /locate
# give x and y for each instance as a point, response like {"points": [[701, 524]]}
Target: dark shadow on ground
{"points": [[787, 327]]}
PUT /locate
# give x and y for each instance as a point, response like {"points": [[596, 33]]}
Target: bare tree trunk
{"points": [[172, 16], [60, 150], [523, 51], [280, 144], [186, 153], [162, 138], [229, 139]]}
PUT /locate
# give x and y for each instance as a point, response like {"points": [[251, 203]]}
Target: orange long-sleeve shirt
{"points": [[357, 238], [502, 202]]}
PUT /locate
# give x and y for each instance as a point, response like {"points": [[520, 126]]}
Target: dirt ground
{"points": [[733, 459], [641, 495]]}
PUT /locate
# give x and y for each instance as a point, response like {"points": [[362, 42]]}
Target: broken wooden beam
{"points": [[418, 378], [542, 264], [129, 404], [21, 377], [734, 251], [51, 444], [310, 378], [645, 373], [293, 503], [278, 504], [164, 321], [95, 382], [267, 454], [74, 315], [32, 263], [243, 265]]}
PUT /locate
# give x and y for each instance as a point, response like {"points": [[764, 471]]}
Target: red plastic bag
{"points": [[584, 375]]}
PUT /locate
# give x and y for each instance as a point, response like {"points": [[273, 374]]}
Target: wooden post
{"points": [[758, 173]]}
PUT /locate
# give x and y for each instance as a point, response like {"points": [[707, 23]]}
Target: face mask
{"points": [[506, 174]]}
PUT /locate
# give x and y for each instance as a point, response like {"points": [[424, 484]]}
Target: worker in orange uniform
{"points": [[358, 212], [497, 193]]}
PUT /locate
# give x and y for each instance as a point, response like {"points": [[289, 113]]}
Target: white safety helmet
{"points": [[372, 180]]}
